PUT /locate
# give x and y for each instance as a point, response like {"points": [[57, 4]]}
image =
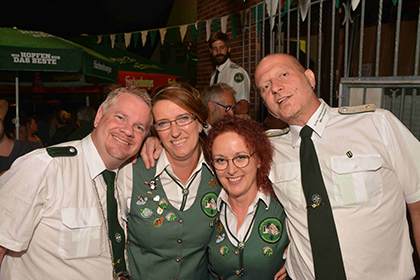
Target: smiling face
{"points": [[240, 183], [121, 129], [180, 142], [287, 89], [220, 52]]}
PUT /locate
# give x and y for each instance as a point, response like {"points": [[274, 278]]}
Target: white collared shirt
{"points": [[236, 77], [370, 164], [50, 216], [232, 220]]}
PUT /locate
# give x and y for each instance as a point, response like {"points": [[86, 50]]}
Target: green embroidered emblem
{"points": [[209, 205], [270, 230], [239, 77]]}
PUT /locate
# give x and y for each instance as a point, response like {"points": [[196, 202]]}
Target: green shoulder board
{"points": [[277, 132], [68, 151], [349, 110]]}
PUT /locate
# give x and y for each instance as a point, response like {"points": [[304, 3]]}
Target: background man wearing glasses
{"points": [[220, 102]]}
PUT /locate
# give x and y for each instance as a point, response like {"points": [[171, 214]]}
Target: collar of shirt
{"points": [[93, 159], [224, 65], [163, 163], [231, 216], [317, 122]]}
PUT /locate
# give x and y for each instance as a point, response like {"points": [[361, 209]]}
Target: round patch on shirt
{"points": [[209, 204], [238, 78], [270, 230]]}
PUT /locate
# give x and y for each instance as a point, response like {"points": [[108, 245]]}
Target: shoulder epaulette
{"points": [[349, 110], [277, 132], [68, 151], [233, 65]]}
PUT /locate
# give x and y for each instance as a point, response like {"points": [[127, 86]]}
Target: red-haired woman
{"points": [[250, 237]]}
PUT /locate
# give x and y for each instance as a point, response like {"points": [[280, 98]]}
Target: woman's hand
{"points": [[281, 274]]}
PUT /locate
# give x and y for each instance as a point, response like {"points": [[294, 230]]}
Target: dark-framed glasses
{"points": [[180, 121], [240, 161], [227, 108]]}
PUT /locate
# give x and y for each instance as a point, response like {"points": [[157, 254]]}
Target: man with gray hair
{"points": [[219, 100], [58, 205]]}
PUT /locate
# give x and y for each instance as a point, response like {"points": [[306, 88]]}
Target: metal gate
{"points": [[360, 51]]}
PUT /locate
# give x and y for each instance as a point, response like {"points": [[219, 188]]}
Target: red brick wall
{"points": [[211, 9]]}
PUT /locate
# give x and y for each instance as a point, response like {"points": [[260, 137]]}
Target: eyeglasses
{"points": [[227, 108], [180, 121], [240, 161]]}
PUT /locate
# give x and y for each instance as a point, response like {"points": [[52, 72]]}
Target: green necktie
{"points": [[326, 253], [216, 77], [115, 231]]}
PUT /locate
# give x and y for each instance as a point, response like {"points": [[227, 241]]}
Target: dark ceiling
{"points": [[68, 19]]}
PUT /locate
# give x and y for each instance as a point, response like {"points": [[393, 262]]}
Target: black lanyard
{"points": [[241, 244], [185, 191]]}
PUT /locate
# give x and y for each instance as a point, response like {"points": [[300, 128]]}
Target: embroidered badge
{"points": [[270, 230], [220, 238], [213, 183], [146, 212], [209, 205], [238, 78], [142, 200], [224, 250], [267, 251], [171, 217], [158, 222]]}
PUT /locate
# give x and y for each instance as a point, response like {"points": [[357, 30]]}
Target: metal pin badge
{"points": [[349, 154]]}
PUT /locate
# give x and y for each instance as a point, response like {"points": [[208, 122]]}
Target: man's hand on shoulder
{"points": [[150, 151]]}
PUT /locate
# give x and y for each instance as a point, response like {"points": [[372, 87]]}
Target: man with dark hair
{"points": [[219, 100], [59, 206], [228, 72]]}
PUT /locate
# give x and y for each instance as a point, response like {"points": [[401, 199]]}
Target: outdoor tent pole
{"points": [[17, 105]]}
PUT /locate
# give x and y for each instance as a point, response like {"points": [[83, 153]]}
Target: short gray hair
{"points": [[139, 93], [215, 93]]}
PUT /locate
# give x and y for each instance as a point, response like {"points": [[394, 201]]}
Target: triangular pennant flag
{"points": [[162, 34], [120, 39], [208, 23], [200, 30], [144, 37], [215, 25], [303, 8], [172, 33], [99, 39], [183, 31], [355, 3], [337, 3], [234, 25], [223, 23], [394, 2], [136, 38], [112, 37], [127, 39], [152, 36], [193, 32], [258, 12], [271, 10]]}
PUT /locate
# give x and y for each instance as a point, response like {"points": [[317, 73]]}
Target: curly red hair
{"points": [[256, 141]]}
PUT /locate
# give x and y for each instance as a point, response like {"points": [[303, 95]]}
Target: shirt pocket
{"points": [[357, 180], [286, 180], [81, 233]]}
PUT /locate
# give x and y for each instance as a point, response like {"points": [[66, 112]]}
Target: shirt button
{"points": [[181, 221], [178, 259], [179, 240], [236, 252], [355, 167], [237, 272]]}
